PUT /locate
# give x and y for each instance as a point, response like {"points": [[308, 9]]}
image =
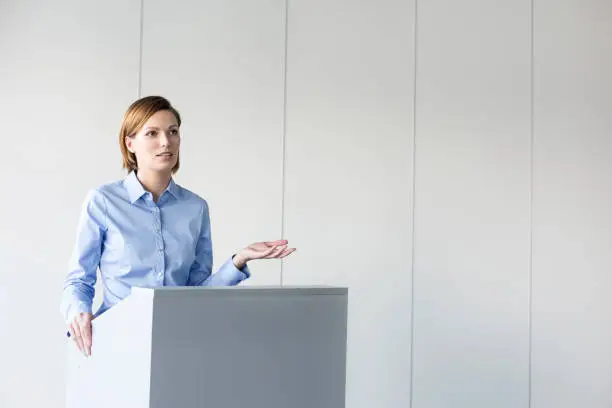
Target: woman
{"points": [[146, 230]]}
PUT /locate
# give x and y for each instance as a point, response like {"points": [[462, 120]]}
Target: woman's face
{"points": [[156, 145]]}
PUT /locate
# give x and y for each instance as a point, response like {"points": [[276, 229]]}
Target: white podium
{"points": [[225, 347]]}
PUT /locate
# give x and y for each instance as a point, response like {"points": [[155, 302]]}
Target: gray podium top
{"points": [[250, 290]]}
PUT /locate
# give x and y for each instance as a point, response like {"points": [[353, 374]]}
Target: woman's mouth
{"points": [[165, 156]]}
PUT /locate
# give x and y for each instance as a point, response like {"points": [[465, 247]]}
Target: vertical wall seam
{"points": [[284, 132], [414, 110], [139, 90], [531, 165]]}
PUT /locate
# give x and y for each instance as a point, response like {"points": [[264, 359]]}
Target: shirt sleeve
{"points": [[78, 293], [201, 270]]}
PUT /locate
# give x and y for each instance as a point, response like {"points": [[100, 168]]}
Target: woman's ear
{"points": [[128, 144]]}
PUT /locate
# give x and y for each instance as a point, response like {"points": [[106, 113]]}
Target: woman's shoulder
{"points": [[110, 189], [190, 196], [95, 203], [107, 191]]}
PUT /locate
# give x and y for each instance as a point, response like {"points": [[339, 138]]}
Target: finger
{"points": [[74, 334], [77, 337], [79, 333], [86, 331], [267, 253], [277, 252], [286, 252], [277, 243]]}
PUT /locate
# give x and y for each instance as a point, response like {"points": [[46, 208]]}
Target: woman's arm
{"points": [[78, 293]]}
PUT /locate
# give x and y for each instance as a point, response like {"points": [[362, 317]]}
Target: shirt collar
{"points": [[173, 189], [136, 190]]}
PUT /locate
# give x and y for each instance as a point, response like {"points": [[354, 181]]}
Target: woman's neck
{"points": [[154, 182]]}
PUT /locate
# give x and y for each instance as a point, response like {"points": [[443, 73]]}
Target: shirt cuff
{"points": [[231, 275], [75, 309], [246, 271]]}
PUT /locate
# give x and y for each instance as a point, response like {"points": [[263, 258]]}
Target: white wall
{"points": [[572, 205], [471, 276], [446, 160]]}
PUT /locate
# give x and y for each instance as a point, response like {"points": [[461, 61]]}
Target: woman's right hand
{"points": [[80, 330]]}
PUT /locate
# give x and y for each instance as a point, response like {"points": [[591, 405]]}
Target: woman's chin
{"points": [[162, 168]]}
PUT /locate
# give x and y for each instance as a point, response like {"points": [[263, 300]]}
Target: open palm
{"points": [[267, 250]]}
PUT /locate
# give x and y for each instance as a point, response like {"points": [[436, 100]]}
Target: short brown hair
{"points": [[135, 118]]}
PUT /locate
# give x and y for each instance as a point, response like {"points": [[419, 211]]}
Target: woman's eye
{"points": [[174, 132], [150, 133]]}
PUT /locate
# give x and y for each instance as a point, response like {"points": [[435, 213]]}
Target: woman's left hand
{"points": [[262, 250]]}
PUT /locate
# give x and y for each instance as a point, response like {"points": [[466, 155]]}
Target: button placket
{"points": [[159, 243]]}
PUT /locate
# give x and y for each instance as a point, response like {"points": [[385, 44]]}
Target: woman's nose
{"points": [[163, 138]]}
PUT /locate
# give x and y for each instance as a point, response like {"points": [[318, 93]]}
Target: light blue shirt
{"points": [[137, 242]]}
